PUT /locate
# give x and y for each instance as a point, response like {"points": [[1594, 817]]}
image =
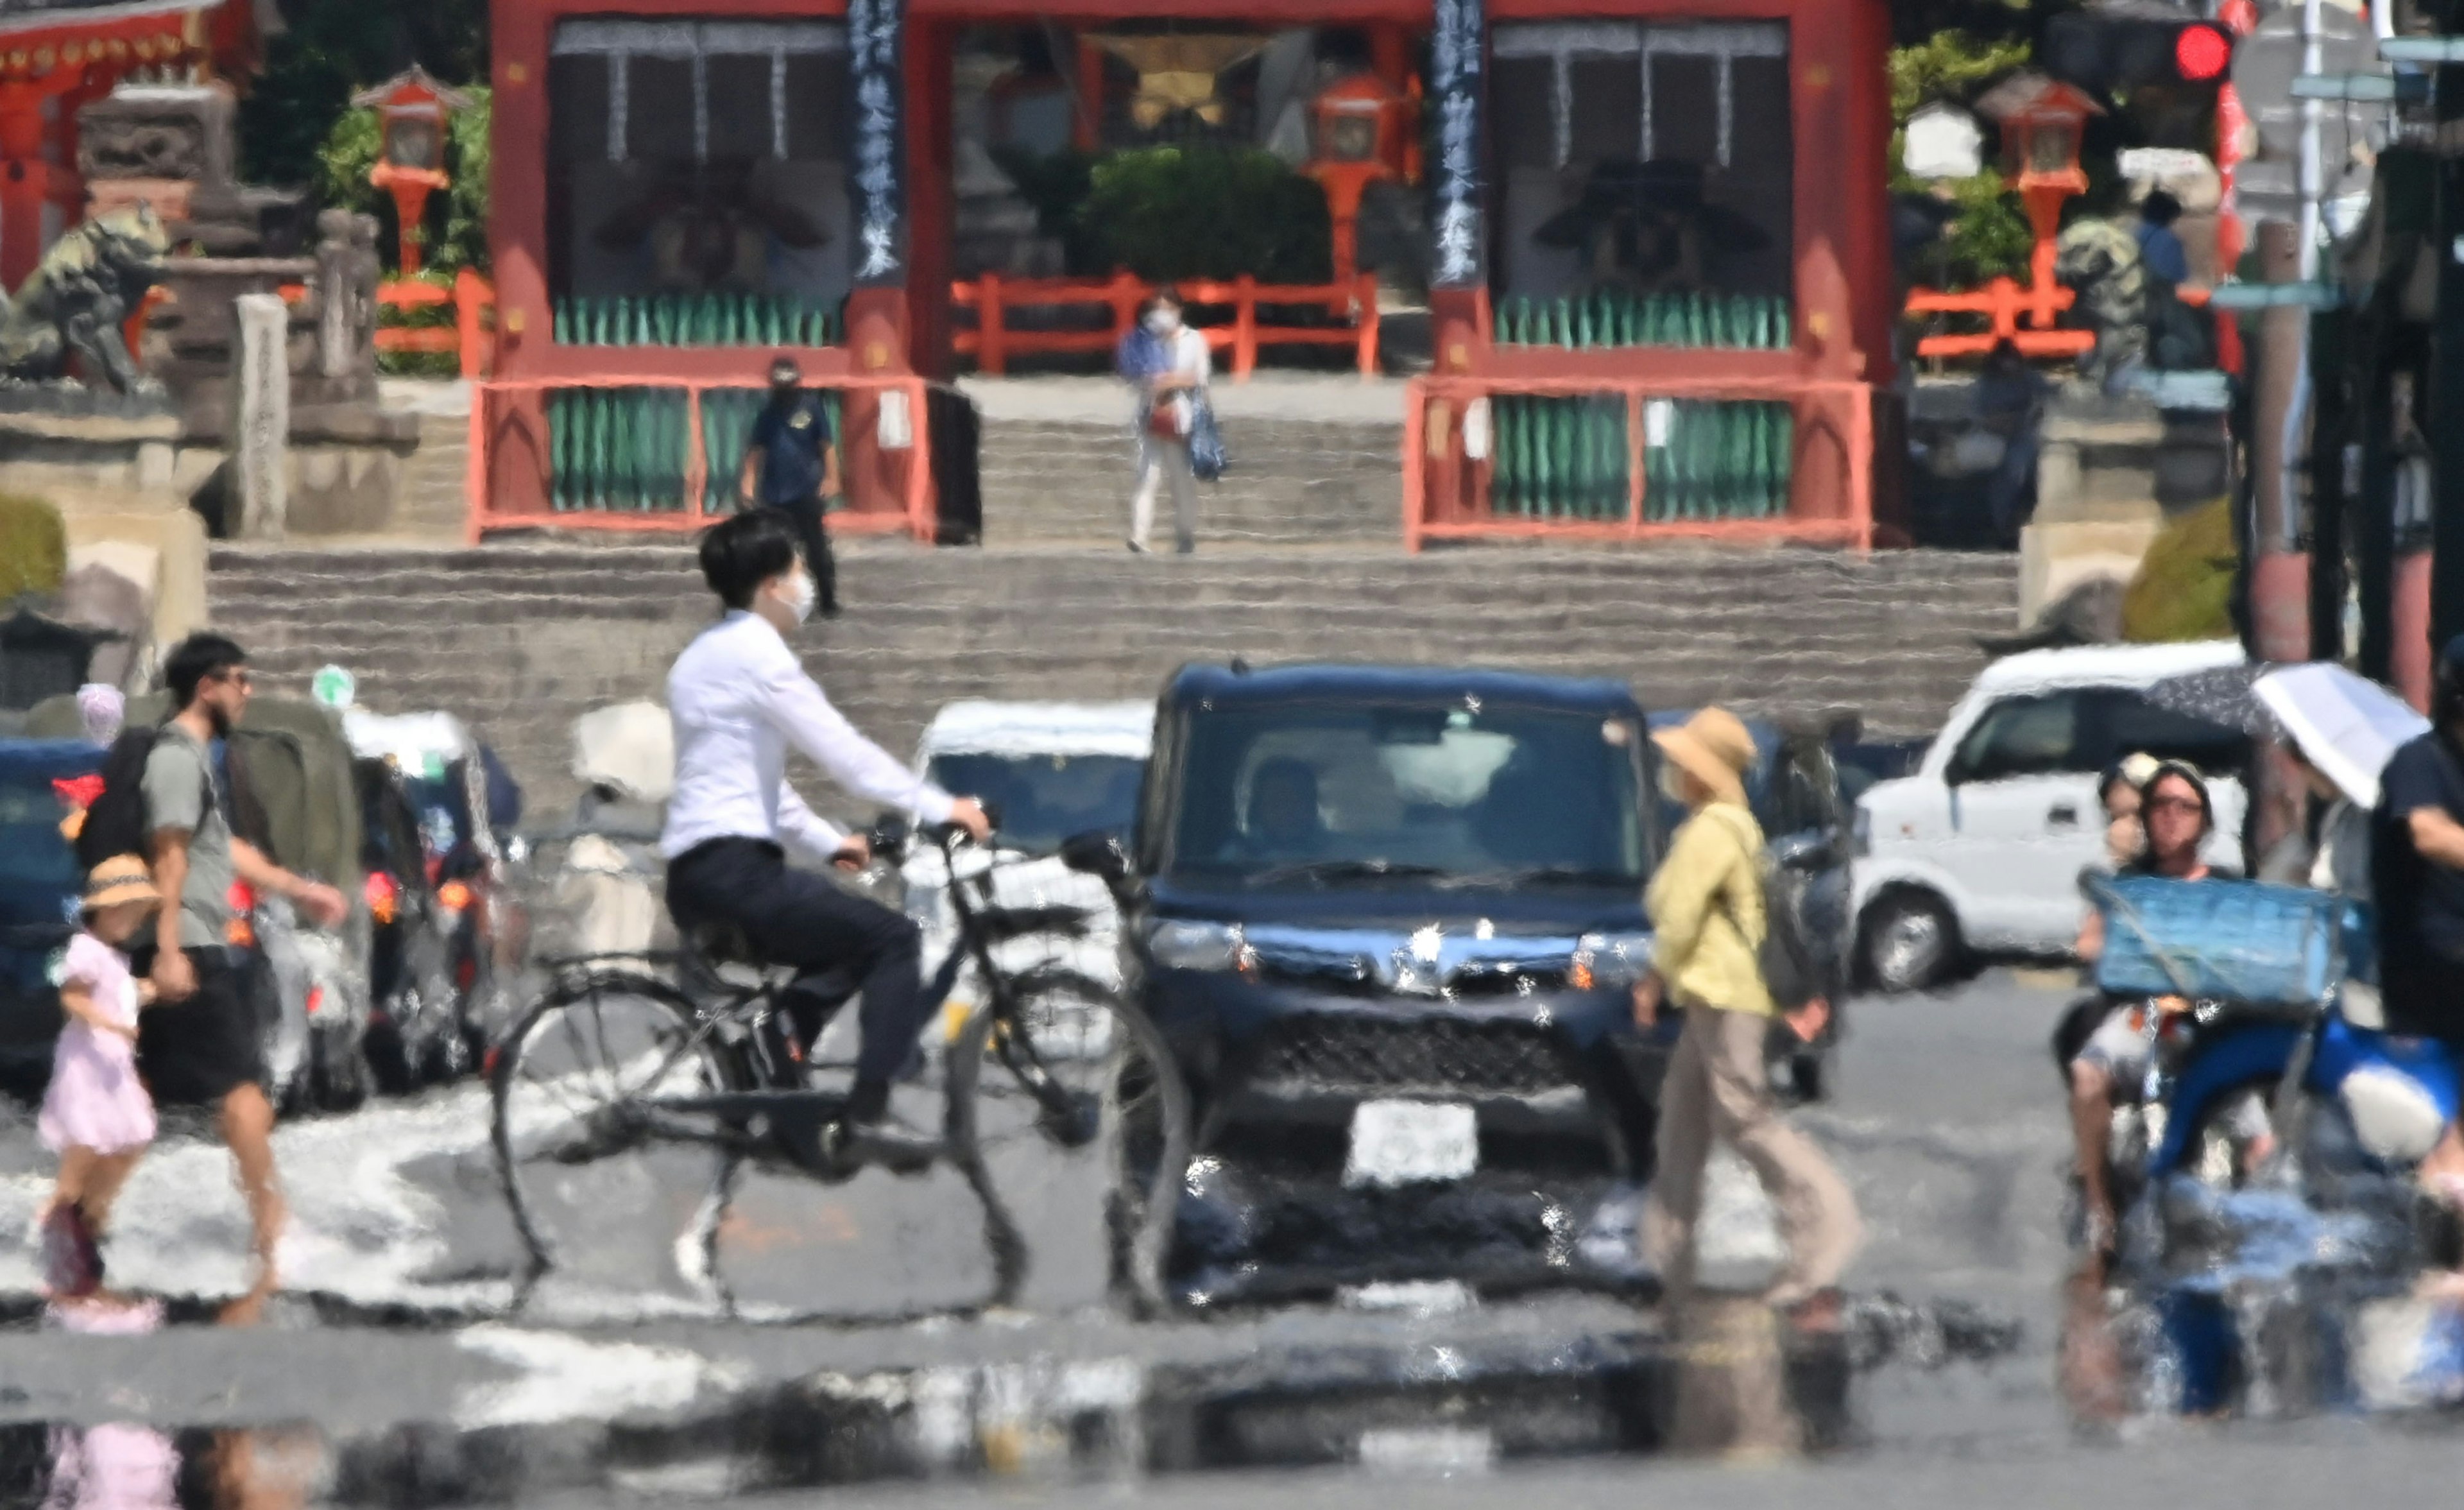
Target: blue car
{"points": [[1390, 920], [38, 898]]}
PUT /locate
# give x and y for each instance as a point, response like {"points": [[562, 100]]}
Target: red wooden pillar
{"points": [[1390, 53], [1087, 123], [25, 181], [513, 426]]}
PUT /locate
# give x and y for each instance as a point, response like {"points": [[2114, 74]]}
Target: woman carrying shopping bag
{"points": [[1169, 364], [1708, 922]]}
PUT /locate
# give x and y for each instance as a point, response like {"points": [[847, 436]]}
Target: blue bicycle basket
{"points": [[2220, 940]]}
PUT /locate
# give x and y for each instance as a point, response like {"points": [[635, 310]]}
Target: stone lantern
{"points": [[413, 110]]}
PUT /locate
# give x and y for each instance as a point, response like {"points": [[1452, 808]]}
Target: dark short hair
{"points": [[740, 554], [1164, 293], [2160, 208], [2188, 775], [196, 659], [783, 368]]}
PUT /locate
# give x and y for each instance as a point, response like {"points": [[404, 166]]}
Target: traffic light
{"points": [[2121, 49]]}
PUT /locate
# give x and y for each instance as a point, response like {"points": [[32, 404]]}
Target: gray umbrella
{"points": [[2219, 695]]}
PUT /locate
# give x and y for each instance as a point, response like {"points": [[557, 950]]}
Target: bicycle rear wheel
{"points": [[1086, 1096], [618, 1192]]}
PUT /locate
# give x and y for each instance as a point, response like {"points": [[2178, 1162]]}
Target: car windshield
{"points": [[1308, 794], [1044, 799]]}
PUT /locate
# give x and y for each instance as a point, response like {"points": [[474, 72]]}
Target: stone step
{"points": [[522, 639]]}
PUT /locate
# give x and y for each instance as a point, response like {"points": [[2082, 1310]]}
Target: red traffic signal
{"points": [[2201, 53]]}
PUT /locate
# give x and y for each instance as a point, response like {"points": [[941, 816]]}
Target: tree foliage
{"points": [[331, 49], [1990, 235], [1177, 212], [34, 547]]}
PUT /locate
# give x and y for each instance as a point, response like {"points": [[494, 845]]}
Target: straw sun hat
{"points": [[1714, 748], [120, 878]]}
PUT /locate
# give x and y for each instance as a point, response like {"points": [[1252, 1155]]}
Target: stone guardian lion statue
{"points": [[78, 298]]}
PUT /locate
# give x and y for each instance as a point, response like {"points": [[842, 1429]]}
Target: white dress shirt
{"points": [[738, 699]]}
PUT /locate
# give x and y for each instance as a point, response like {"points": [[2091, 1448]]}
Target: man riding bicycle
{"points": [[738, 699]]}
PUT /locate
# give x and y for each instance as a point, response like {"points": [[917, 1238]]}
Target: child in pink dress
{"points": [[97, 1116]]}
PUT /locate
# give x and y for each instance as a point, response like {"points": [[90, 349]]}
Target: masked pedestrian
{"points": [[1169, 364], [1707, 919], [791, 463]]}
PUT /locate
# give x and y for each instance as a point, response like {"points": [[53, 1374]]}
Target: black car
{"points": [[39, 880], [1391, 920]]}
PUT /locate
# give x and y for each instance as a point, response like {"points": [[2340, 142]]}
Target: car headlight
{"points": [[1178, 945], [1610, 960]]}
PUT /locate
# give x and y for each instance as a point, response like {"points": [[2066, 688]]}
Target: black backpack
{"points": [[1790, 970], [114, 822]]}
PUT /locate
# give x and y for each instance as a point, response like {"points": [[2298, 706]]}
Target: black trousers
{"points": [[797, 919], [805, 514]]}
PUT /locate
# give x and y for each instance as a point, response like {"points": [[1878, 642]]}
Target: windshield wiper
{"points": [[1324, 870], [1549, 876]]}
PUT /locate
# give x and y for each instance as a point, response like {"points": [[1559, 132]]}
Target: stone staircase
{"points": [[431, 506], [1292, 482], [520, 639]]}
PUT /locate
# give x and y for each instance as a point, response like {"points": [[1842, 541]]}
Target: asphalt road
{"points": [[1946, 1117]]}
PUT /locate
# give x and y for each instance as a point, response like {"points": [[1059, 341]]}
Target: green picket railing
{"points": [[1567, 459], [696, 320], [619, 449], [1618, 318]]}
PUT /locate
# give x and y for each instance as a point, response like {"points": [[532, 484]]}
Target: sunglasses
{"points": [[2175, 805]]}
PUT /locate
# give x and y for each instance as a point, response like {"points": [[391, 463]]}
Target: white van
{"points": [[1051, 770], [1981, 849]]}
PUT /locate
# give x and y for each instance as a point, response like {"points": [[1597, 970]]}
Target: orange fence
{"points": [[1611, 459], [992, 343], [2002, 301], [661, 453], [473, 302]]}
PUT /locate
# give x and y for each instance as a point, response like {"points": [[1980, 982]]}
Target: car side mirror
{"points": [[1805, 854], [1097, 853]]}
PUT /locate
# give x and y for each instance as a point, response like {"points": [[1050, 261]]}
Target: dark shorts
{"points": [[195, 1052]]}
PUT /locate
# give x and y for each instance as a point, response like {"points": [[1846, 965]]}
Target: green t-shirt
{"points": [[180, 793]]}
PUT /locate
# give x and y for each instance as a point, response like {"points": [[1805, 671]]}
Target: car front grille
{"points": [[1445, 1055]]}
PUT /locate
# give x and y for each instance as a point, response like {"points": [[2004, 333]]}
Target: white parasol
{"points": [[2346, 725]]}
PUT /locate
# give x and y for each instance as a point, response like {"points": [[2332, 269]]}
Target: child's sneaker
{"points": [[72, 1261]]}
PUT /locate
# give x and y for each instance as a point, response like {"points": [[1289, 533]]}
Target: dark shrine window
{"points": [[697, 183], [1644, 176]]}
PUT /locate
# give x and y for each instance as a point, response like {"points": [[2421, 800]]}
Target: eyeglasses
{"points": [[241, 679], [2175, 805]]}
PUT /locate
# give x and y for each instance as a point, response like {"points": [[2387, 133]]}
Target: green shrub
{"points": [[34, 547], [455, 235], [1990, 237], [2185, 583], [1188, 212]]}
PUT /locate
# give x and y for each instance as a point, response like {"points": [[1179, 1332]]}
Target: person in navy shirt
{"points": [[791, 463], [2417, 862]]}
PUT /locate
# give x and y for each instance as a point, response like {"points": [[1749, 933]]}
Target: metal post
{"points": [[2446, 379]]}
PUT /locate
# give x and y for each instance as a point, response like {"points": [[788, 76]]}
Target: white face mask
{"points": [[1162, 322], [800, 595]]}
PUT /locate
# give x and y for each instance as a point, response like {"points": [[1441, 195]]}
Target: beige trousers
{"points": [[1163, 461], [1717, 1087]]}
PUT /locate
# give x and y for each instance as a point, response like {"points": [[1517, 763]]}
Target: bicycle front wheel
{"points": [[1084, 1120], [615, 1187]]}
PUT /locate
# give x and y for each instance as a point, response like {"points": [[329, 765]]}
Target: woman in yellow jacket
{"points": [[1705, 904]]}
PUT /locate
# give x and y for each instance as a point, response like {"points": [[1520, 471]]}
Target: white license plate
{"points": [[1402, 1143]]}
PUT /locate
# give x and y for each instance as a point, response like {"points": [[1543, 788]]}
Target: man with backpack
{"points": [[1711, 955], [198, 1044]]}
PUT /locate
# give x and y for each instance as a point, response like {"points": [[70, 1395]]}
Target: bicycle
{"points": [[696, 1074]]}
